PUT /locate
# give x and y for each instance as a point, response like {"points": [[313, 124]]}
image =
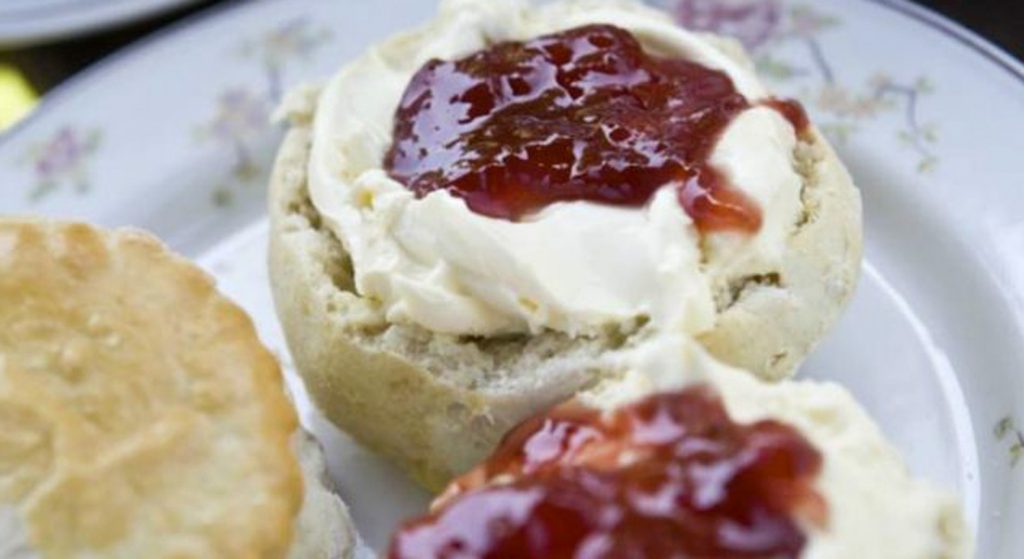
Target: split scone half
{"points": [[139, 414], [427, 329], [682, 456]]}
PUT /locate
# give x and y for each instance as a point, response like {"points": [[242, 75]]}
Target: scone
{"points": [[139, 414], [693, 459], [435, 289]]}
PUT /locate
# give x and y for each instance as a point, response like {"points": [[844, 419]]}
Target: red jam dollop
{"points": [[582, 114], [669, 476]]}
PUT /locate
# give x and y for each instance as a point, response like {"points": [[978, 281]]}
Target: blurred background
{"points": [[30, 66]]}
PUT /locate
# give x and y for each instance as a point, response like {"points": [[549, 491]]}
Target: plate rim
{"points": [[64, 20], [921, 15], [61, 8], [959, 32], [53, 98]]}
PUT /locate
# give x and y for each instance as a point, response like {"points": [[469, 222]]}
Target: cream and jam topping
{"points": [[514, 168], [671, 475], [582, 114]]}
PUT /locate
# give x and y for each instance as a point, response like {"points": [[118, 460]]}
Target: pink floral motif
{"points": [[763, 25], [274, 49], [753, 22], [62, 159], [242, 115]]}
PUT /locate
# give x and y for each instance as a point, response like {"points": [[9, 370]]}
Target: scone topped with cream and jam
{"points": [[682, 456], [470, 218]]}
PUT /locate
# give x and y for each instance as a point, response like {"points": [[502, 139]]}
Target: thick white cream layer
{"points": [[574, 267], [875, 509]]}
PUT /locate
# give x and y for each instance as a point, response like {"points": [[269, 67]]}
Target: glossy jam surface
{"points": [[583, 114], [669, 476]]}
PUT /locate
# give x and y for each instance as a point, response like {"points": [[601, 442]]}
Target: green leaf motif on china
{"points": [[1005, 429], [776, 68]]}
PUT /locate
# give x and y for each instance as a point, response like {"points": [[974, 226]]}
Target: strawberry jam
{"points": [[669, 476], [583, 114]]}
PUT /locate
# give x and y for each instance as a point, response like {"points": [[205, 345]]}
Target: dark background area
{"points": [[1001, 21]]}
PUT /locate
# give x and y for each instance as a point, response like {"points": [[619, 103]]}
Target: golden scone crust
{"points": [[139, 414]]}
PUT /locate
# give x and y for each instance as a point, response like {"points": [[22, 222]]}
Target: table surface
{"points": [[1001, 21]]}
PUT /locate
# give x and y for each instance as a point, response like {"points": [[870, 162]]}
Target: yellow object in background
{"points": [[16, 96]]}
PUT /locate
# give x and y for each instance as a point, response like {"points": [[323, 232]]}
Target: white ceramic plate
{"points": [[172, 136], [24, 22]]}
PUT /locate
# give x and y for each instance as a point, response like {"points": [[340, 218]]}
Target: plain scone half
{"points": [[438, 402], [140, 416]]}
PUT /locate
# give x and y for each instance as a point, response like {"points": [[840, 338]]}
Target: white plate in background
{"points": [[26, 22], [172, 136]]}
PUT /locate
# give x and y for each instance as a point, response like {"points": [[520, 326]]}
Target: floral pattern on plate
{"points": [[765, 25], [275, 49], [1007, 430], [243, 112], [62, 161], [240, 118]]}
